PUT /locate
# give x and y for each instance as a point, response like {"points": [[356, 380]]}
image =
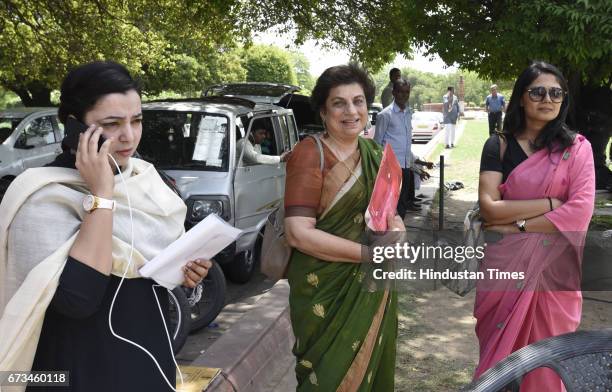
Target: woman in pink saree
{"points": [[537, 186]]}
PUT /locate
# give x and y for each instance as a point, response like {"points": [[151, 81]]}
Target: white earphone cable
{"points": [[110, 313]]}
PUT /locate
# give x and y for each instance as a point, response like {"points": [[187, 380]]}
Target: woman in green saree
{"points": [[345, 333]]}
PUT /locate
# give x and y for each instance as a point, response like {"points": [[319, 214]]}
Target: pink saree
{"points": [[512, 314]]}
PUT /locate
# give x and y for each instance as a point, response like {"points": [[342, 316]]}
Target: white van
{"points": [[194, 141]]}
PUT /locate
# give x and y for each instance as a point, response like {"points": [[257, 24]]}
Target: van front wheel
{"points": [[242, 267], [212, 300]]}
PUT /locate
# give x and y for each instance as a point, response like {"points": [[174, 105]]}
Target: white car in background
{"points": [[425, 125], [29, 137]]}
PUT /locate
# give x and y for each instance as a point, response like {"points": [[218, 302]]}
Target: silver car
{"points": [[29, 137], [194, 142]]}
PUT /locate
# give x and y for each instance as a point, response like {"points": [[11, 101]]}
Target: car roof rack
{"points": [[212, 99], [250, 88]]}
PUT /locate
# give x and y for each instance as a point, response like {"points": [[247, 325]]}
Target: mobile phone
{"points": [[72, 129]]}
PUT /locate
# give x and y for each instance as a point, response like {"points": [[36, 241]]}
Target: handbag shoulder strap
{"points": [[320, 147]]}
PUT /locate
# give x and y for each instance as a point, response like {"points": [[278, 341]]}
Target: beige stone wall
{"points": [[432, 107]]}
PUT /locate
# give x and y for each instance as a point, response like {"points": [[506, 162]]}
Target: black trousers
{"points": [[495, 121], [406, 196]]}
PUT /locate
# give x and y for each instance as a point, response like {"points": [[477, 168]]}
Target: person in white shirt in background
{"points": [[450, 110], [252, 150]]}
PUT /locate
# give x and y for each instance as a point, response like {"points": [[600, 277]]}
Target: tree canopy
{"points": [[301, 66], [497, 38], [265, 63], [428, 87], [163, 42], [171, 44], [374, 31]]}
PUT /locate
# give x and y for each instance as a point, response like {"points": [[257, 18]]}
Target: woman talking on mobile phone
{"points": [[66, 241]]}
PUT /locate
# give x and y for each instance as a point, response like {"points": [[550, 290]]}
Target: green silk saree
{"points": [[345, 334]]}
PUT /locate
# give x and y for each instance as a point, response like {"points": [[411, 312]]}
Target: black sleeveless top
{"points": [[513, 156]]}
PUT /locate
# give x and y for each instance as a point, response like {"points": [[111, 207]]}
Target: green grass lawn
{"points": [[436, 152], [464, 159], [464, 163]]}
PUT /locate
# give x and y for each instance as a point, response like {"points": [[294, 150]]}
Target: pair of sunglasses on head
{"points": [[537, 94]]}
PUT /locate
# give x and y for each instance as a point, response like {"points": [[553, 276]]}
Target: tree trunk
{"points": [[23, 94], [594, 121], [41, 96], [32, 94], [575, 86]]}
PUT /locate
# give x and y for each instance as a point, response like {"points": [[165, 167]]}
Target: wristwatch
{"points": [[91, 203], [521, 225]]}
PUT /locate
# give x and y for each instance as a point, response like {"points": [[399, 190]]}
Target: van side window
{"points": [[261, 145]]}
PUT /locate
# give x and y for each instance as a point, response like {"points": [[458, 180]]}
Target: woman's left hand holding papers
{"points": [[195, 271]]}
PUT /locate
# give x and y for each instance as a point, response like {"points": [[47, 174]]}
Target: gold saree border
{"points": [[354, 376]]}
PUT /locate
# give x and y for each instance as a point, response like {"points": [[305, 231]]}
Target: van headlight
{"points": [[200, 207]]}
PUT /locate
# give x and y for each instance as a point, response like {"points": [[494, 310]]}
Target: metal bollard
{"points": [[441, 195]]}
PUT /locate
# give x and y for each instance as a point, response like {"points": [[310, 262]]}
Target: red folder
{"points": [[386, 191]]}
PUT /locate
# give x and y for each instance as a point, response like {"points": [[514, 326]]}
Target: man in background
{"points": [[394, 126], [450, 110], [252, 150], [387, 94], [495, 105]]}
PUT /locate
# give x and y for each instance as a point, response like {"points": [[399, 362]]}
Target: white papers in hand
{"points": [[204, 240]]}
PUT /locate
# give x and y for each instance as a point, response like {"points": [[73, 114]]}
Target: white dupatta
{"points": [[40, 216]]}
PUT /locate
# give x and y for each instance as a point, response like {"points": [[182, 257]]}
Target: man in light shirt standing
{"points": [[451, 114], [495, 105], [394, 126]]}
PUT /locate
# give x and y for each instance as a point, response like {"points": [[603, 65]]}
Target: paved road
{"points": [[240, 299]]}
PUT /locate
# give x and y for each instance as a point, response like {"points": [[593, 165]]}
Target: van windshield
{"points": [[7, 126], [185, 140]]}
